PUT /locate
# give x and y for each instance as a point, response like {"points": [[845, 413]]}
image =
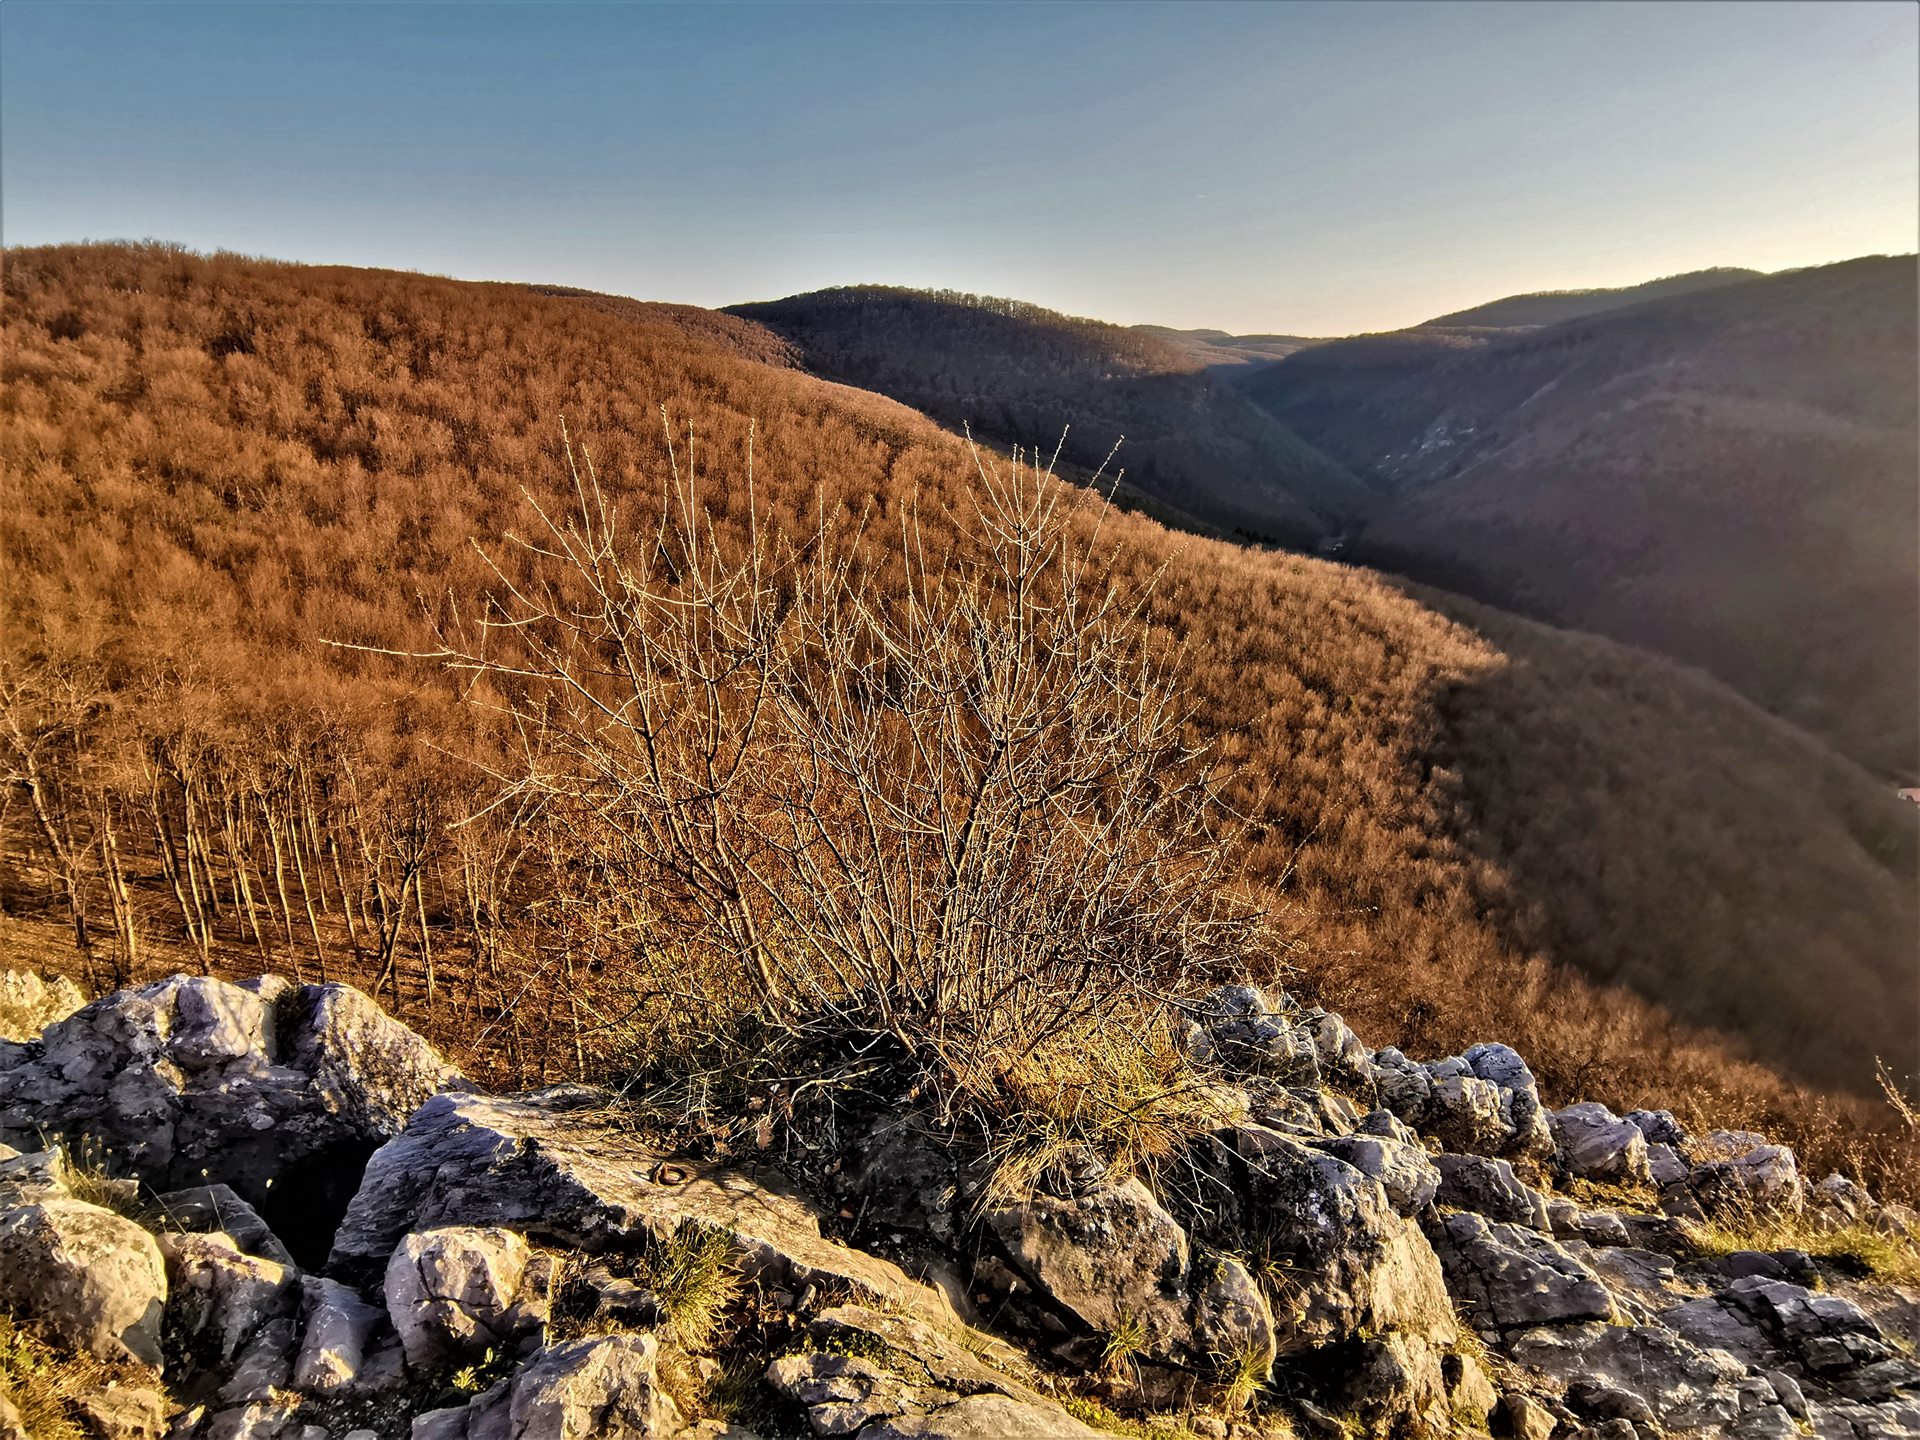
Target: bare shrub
{"points": [[959, 809]]}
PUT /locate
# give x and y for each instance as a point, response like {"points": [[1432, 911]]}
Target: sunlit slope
{"points": [[210, 466]]}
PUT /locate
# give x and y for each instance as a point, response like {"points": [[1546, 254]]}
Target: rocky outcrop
{"points": [[505, 1267], [564, 1167], [1507, 1275], [278, 1091], [458, 1292], [1596, 1144]]}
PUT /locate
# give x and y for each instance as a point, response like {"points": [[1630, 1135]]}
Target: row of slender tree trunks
{"points": [[307, 859]]}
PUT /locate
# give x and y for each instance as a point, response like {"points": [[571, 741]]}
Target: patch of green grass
{"points": [[1125, 1340], [1091, 1412], [692, 1274], [1240, 1376], [481, 1376]]}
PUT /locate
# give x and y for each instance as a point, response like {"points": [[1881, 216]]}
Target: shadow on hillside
{"points": [[1613, 796]]}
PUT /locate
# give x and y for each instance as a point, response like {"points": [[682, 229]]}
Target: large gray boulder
{"points": [[984, 1417], [200, 1209], [1596, 1144], [278, 1091], [90, 1278], [599, 1387], [564, 1166], [1736, 1171], [1823, 1338], [1520, 1106], [1110, 1255], [1466, 1113], [1240, 1028], [336, 1336], [1507, 1276], [1404, 1171], [456, 1293], [1351, 1263], [1686, 1388], [1490, 1188]]}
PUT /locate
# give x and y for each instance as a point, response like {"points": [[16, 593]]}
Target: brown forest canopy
{"points": [[1725, 475], [1476, 827]]}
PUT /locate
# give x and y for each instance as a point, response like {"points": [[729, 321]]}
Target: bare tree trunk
{"points": [[121, 899]]}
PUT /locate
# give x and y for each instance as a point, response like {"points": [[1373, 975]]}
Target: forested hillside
{"points": [[1015, 373], [1726, 476], [218, 472]]}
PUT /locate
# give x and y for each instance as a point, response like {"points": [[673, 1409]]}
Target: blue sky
{"points": [[1298, 168]]}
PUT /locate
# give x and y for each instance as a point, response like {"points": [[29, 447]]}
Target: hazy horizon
{"points": [[1296, 169]]}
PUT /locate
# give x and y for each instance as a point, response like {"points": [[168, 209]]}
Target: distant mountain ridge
{"points": [[1724, 474], [1020, 374], [1550, 307]]}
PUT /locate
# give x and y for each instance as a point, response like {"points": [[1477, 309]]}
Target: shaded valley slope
{"points": [[1015, 373], [1726, 476]]}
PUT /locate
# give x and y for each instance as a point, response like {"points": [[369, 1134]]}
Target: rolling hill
{"points": [[1230, 355], [1724, 475], [1550, 307], [1014, 372], [1469, 825]]}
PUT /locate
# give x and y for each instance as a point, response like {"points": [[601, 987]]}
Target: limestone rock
{"points": [[1660, 1127], [1520, 1106], [960, 1360], [1396, 1384], [204, 1208], [29, 1003], [1237, 1026], [1508, 1276], [191, 1080], [561, 1166], [1490, 1188], [1465, 1112], [1351, 1262], [1683, 1386], [845, 1393], [1403, 1170], [1113, 1257], [37, 1175], [337, 1327], [220, 1297], [122, 1412], [984, 1417], [601, 1387], [1404, 1088], [453, 1294], [93, 1279], [1596, 1144], [1340, 1055], [1736, 1170]]}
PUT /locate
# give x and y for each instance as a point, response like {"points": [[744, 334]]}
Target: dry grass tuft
{"points": [[41, 1381], [1856, 1248]]}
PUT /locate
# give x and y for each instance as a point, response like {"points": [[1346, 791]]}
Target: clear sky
{"points": [[1298, 168]]}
